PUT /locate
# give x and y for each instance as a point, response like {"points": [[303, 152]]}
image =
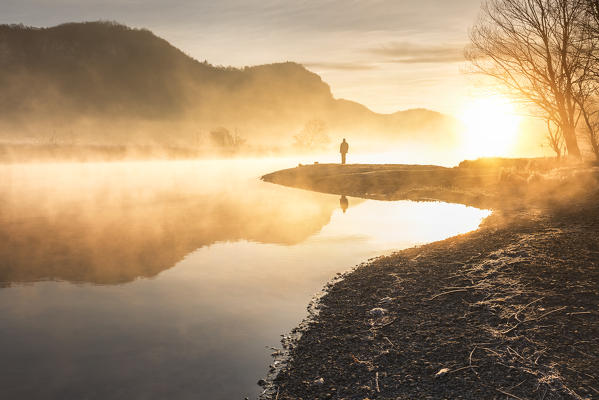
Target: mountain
{"points": [[105, 83]]}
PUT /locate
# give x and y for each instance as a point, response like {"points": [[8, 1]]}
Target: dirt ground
{"points": [[510, 311]]}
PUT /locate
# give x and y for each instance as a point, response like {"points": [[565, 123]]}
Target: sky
{"points": [[389, 55]]}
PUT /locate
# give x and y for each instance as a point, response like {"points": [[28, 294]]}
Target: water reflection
{"points": [[80, 223], [234, 262], [343, 203]]}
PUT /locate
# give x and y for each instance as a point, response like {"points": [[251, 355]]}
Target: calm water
{"points": [[156, 280]]}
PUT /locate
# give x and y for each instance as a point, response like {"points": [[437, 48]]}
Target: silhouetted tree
{"points": [[238, 140], [222, 137], [589, 108], [589, 93], [555, 138], [529, 46], [313, 135]]}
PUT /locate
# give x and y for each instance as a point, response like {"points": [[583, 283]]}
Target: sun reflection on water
{"points": [[397, 224]]}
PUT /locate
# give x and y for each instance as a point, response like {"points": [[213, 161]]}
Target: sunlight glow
{"points": [[491, 127]]}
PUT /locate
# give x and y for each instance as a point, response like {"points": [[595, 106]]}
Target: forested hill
{"points": [[105, 82]]}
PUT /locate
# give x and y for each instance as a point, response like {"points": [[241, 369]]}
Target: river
{"points": [[154, 280]]}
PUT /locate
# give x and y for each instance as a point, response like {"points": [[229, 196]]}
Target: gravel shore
{"points": [[510, 311]]}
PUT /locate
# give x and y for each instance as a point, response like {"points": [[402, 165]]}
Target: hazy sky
{"points": [[387, 54]]}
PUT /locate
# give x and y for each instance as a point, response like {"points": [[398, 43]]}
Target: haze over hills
{"points": [[105, 83]]}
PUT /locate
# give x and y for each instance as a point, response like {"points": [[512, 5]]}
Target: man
{"points": [[343, 150]]}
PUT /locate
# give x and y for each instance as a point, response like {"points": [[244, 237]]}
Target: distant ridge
{"points": [[103, 82]]}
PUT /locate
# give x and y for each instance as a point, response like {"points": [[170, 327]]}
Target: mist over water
{"points": [[140, 280]]}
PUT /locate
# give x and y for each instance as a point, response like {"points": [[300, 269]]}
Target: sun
{"points": [[491, 127]]}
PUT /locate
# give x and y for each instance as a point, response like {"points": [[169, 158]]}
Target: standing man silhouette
{"points": [[343, 150]]}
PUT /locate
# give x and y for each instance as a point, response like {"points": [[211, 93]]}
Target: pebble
{"points": [[377, 312]]}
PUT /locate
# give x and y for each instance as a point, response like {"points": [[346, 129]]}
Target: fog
{"points": [[110, 223], [103, 91], [171, 278]]}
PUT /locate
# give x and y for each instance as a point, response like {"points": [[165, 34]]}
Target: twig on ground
{"points": [[509, 394], [513, 387], [463, 368], [510, 350], [511, 329], [470, 360], [479, 287], [546, 314], [451, 291], [515, 315], [389, 341], [531, 319], [492, 351]]}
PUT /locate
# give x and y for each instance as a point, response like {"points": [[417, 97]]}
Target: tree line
{"points": [[546, 54]]}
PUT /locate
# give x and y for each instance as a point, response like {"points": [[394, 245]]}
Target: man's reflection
{"points": [[343, 203]]}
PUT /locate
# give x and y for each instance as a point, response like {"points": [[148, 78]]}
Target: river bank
{"points": [[484, 183], [507, 311]]}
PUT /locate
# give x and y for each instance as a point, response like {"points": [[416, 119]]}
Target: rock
{"points": [[319, 381], [377, 312], [262, 382]]}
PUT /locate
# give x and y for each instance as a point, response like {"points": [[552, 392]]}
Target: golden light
{"points": [[491, 127]]}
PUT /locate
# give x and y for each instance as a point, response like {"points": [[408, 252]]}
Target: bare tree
{"points": [[313, 135], [222, 137], [588, 101], [529, 46], [588, 97], [555, 138]]}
